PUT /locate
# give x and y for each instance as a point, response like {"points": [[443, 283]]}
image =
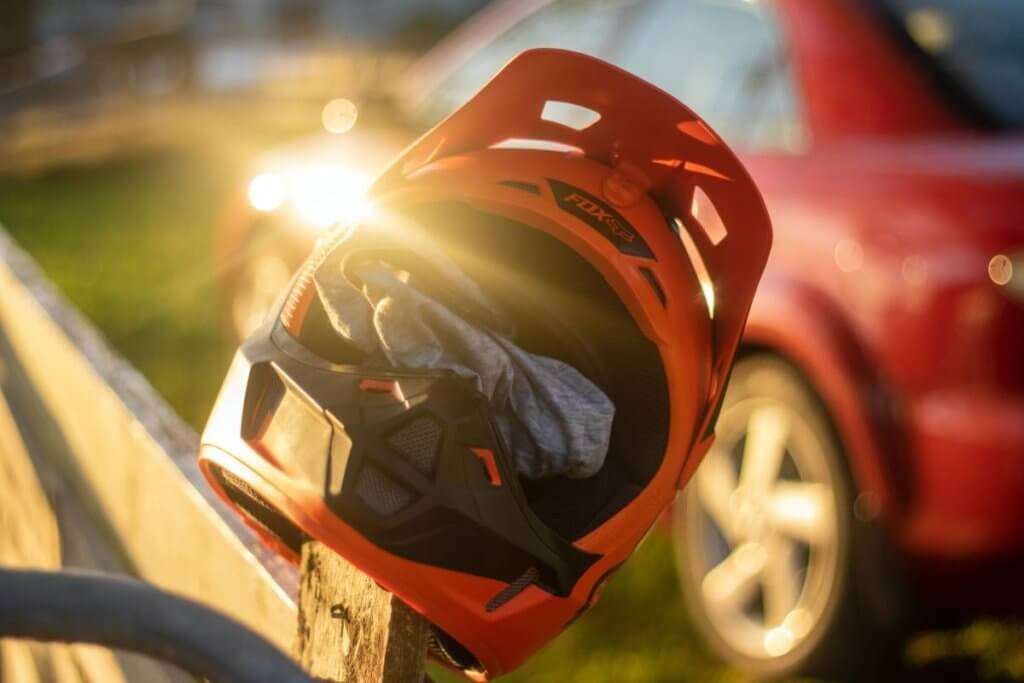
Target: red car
{"points": [[870, 454]]}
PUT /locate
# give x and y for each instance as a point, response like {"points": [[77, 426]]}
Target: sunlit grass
{"points": [[637, 632], [131, 246]]}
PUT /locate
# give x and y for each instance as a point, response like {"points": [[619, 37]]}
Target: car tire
{"points": [[779, 574]]}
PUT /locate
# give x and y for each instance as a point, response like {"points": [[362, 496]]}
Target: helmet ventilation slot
{"points": [[257, 510], [380, 493], [652, 280], [704, 212], [419, 442], [569, 115], [519, 185], [450, 651], [511, 591], [697, 261], [535, 144]]}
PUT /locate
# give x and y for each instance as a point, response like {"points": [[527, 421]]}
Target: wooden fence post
{"points": [[351, 629]]}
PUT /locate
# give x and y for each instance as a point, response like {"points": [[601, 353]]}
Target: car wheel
{"points": [[263, 273], [766, 537]]}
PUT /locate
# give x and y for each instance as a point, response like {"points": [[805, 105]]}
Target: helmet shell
{"points": [[634, 193]]}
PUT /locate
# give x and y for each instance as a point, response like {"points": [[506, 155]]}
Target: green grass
{"points": [[130, 244], [637, 632]]}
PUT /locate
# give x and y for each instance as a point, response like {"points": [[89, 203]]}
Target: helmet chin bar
{"points": [[411, 460]]}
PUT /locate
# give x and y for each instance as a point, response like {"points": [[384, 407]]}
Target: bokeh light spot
{"points": [[848, 255], [1000, 269], [339, 115], [930, 29], [778, 641], [799, 622]]}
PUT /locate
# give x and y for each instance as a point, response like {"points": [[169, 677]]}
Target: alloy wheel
{"points": [[759, 530]]}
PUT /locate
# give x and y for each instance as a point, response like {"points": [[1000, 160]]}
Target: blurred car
{"points": [[870, 454]]}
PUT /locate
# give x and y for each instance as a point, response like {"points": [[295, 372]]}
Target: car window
{"points": [[587, 26], [726, 60], [975, 51]]}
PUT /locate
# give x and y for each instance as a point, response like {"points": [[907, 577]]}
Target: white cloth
{"points": [[554, 420]]}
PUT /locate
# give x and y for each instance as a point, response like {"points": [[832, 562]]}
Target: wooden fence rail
{"points": [[93, 428]]}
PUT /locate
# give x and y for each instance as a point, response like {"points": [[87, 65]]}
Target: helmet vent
{"points": [[418, 441], [257, 509], [534, 144], [449, 651], [652, 280], [570, 115], [520, 185], [699, 268], [380, 493], [706, 214], [527, 579]]}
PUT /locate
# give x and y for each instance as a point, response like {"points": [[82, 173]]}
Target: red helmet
{"points": [[628, 241]]}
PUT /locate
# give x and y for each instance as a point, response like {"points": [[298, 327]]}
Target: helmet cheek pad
{"points": [[404, 473], [412, 460]]}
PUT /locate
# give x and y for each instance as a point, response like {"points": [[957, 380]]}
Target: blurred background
{"points": [[169, 163]]}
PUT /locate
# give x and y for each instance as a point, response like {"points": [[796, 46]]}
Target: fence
{"points": [[99, 472]]}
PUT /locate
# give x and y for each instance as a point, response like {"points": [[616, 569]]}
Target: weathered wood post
{"points": [[350, 629]]}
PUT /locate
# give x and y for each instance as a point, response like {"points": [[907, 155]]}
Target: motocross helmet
{"points": [[626, 240]]}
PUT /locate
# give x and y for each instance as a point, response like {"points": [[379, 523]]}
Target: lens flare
{"points": [[267, 192], [325, 195]]}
